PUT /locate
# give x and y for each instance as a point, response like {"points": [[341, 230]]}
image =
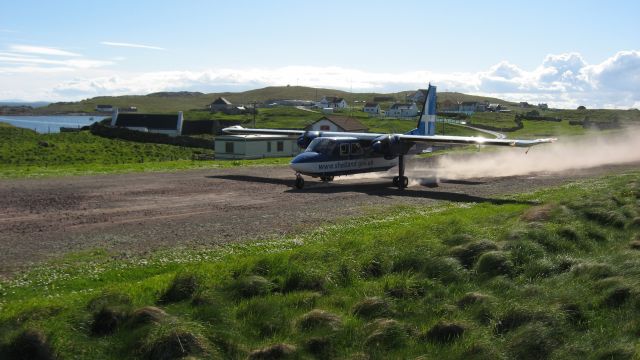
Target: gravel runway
{"points": [[42, 219]]}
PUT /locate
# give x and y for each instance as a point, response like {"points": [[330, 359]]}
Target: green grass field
{"points": [[548, 275], [24, 153]]}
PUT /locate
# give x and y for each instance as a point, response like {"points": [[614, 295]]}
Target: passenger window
{"points": [[356, 149], [344, 149]]}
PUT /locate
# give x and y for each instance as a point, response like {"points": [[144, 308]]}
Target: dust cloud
{"points": [[565, 154]]}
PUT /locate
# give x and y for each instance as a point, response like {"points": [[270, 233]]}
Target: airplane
{"points": [[328, 154]]}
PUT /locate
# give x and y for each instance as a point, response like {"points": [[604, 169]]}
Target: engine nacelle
{"points": [[305, 139], [388, 145]]}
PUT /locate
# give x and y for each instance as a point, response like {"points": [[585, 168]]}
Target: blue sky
{"points": [[561, 52]]}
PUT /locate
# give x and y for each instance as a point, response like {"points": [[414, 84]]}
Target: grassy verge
{"points": [[553, 274], [24, 153]]}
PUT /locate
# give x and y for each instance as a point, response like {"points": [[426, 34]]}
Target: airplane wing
{"points": [[472, 140], [432, 139]]}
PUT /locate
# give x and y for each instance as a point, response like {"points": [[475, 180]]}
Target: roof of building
{"points": [[371, 104], [333, 99], [149, 121], [221, 101], [345, 123], [401, 106]]}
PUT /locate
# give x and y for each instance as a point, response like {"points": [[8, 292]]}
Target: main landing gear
{"points": [[299, 181], [401, 181]]}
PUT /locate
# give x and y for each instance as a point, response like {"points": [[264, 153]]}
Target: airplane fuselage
{"points": [[326, 157]]}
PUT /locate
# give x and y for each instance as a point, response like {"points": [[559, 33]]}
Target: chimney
{"points": [[114, 116], [180, 121]]}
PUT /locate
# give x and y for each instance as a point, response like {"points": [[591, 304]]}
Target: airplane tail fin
{"points": [[427, 120]]}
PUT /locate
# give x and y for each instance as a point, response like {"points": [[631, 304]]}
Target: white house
{"points": [[402, 110], [337, 123], [418, 96], [371, 108], [255, 146], [332, 102], [154, 123]]}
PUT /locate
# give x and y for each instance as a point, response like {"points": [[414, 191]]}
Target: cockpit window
{"points": [[344, 149], [322, 146], [356, 149]]}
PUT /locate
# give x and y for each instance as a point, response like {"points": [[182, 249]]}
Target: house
{"points": [[543, 106], [402, 110], [524, 104], [337, 123], [255, 146], [494, 107], [449, 106], [332, 102], [154, 123], [371, 108], [469, 107], [221, 104], [104, 108], [418, 96]]}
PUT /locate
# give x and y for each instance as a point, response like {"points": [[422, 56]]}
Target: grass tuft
{"points": [[468, 254], [107, 320], [319, 319], [147, 315], [494, 263], [592, 270], [385, 334], [445, 332], [273, 352], [299, 280], [372, 307], [250, 286], [617, 296], [472, 298], [171, 340], [183, 287], [533, 342], [30, 345]]}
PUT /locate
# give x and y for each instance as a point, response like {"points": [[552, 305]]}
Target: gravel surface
{"points": [[43, 219]]}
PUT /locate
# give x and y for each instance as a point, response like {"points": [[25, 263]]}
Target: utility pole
{"points": [[254, 114]]}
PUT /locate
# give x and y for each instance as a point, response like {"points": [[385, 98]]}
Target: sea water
{"points": [[50, 124]]}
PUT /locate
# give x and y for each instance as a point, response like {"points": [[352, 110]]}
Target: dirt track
{"points": [[133, 213]]}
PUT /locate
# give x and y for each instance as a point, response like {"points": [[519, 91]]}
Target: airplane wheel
{"points": [[405, 182], [326, 178], [396, 181], [329, 178], [299, 182]]}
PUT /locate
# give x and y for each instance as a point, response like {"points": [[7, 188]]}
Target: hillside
{"points": [[183, 100]]}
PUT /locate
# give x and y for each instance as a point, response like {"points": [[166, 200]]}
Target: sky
{"points": [[564, 53]]}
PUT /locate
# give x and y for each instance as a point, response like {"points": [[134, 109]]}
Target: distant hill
{"points": [[163, 102], [33, 104]]}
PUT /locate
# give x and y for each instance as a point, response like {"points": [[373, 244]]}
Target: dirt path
{"points": [[134, 213]]}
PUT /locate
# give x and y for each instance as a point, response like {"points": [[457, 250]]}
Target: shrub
{"points": [[183, 287], [273, 352], [385, 334], [469, 253], [319, 319], [250, 286], [444, 332], [494, 263], [372, 307], [412, 261], [30, 345]]}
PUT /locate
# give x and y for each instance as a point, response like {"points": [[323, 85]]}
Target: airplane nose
{"points": [[298, 162]]}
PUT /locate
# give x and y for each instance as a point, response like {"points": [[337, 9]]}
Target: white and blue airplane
{"points": [[330, 154]]}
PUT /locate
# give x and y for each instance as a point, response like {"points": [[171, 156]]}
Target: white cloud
{"points": [[129, 45], [41, 50], [561, 80]]}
